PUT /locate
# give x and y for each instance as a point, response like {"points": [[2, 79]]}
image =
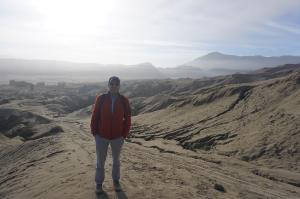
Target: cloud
{"points": [[285, 28], [131, 31]]}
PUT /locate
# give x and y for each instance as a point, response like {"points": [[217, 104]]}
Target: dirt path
{"points": [[63, 166]]}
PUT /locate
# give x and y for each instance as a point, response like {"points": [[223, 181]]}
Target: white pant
{"points": [[101, 151]]}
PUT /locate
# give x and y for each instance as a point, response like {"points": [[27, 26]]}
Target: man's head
{"points": [[114, 84]]}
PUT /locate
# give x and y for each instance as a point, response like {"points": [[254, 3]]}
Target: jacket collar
{"points": [[117, 95]]}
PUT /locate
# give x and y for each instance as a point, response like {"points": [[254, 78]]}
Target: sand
{"points": [[188, 140]]}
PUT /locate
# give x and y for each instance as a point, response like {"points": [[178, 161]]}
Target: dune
{"points": [[234, 136]]}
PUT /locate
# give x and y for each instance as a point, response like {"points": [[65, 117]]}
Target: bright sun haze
{"points": [[163, 32]]}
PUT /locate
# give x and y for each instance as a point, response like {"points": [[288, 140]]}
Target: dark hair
{"points": [[114, 78]]}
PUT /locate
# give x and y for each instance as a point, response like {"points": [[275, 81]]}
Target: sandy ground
{"points": [[63, 165], [232, 141]]}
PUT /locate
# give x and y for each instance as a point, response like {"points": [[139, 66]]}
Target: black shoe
{"points": [[117, 186], [99, 188]]}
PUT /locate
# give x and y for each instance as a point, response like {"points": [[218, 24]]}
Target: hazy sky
{"points": [[164, 32]]}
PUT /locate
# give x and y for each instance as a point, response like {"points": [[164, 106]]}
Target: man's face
{"points": [[114, 86]]}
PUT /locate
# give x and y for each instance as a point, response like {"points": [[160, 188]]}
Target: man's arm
{"points": [[127, 121], [95, 116]]}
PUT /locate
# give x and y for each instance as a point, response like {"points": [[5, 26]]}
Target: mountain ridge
{"points": [[212, 64], [216, 60]]}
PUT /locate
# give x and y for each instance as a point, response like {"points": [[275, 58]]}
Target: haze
{"points": [[164, 32]]}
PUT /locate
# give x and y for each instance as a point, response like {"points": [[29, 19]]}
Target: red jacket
{"points": [[111, 125]]}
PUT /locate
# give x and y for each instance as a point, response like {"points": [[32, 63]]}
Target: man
{"points": [[110, 125]]}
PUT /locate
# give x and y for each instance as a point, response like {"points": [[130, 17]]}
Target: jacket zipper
{"points": [[111, 118]]}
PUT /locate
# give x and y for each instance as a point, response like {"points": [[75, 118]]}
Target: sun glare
{"points": [[74, 17]]}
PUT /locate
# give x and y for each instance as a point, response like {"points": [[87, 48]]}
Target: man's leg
{"points": [[101, 151], [116, 146]]}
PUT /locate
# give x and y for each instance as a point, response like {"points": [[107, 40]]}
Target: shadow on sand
{"points": [[119, 195], [102, 195]]}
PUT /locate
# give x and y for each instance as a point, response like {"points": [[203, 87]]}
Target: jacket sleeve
{"points": [[127, 121], [95, 117]]}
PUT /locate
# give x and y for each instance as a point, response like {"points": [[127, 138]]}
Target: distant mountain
{"points": [[216, 60], [139, 71], [54, 71], [182, 72], [215, 63], [212, 64]]}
